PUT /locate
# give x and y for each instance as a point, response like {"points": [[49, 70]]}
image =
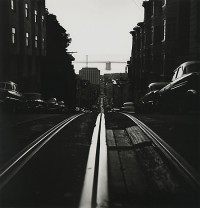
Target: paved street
{"points": [[54, 176], [181, 131], [99, 104]]}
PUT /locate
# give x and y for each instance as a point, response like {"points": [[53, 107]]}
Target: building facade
{"points": [[88, 87], [168, 37], [22, 42], [91, 74]]}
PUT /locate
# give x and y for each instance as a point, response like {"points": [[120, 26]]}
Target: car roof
{"points": [[157, 83], [9, 82], [187, 63], [126, 103]]}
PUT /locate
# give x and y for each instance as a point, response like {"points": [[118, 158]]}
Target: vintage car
{"points": [[149, 101], [10, 98], [34, 102], [128, 107], [182, 93], [52, 105], [62, 107]]}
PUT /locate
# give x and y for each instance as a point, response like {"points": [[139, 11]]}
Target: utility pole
{"points": [[86, 61], [108, 65]]}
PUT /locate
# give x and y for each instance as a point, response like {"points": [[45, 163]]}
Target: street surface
{"points": [[54, 176]]}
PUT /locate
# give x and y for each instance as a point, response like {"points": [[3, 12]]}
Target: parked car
{"points": [[115, 110], [182, 93], [149, 102], [62, 107], [10, 97], [128, 107], [52, 105], [34, 102]]}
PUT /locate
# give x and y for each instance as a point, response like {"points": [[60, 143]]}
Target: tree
{"points": [[58, 76]]}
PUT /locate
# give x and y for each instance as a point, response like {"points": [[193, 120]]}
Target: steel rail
{"points": [[102, 198], [168, 151], [95, 186], [20, 159]]}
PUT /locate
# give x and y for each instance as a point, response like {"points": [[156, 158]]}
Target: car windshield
{"points": [[192, 68], [8, 86], [52, 100]]}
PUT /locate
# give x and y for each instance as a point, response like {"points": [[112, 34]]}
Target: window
{"points": [[26, 10], [13, 35], [36, 41], [35, 15], [157, 8], [43, 43], [12, 5], [171, 28], [163, 2], [192, 68], [8, 86], [43, 19], [14, 87], [163, 63], [179, 73], [157, 34], [164, 30], [27, 39], [152, 8], [152, 34]]}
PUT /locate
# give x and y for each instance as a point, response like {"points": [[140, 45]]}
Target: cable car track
{"points": [[19, 160], [97, 175], [169, 152], [96, 185]]}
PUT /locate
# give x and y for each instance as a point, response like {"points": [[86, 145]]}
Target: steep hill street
{"points": [[139, 173]]}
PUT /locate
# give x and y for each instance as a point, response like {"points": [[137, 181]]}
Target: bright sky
{"points": [[99, 29]]}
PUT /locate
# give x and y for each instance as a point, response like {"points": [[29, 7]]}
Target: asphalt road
{"points": [[54, 176], [180, 131]]}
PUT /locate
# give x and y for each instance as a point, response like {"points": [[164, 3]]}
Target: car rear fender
{"points": [[192, 92]]}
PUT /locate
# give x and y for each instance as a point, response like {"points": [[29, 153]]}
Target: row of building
{"points": [[168, 36], [88, 87], [22, 42], [33, 50]]}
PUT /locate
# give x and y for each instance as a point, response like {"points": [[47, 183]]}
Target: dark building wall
{"points": [[194, 50], [20, 62], [170, 36], [10, 19]]}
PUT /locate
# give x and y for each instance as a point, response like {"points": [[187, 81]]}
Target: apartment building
{"points": [[91, 74], [22, 42], [168, 37]]}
